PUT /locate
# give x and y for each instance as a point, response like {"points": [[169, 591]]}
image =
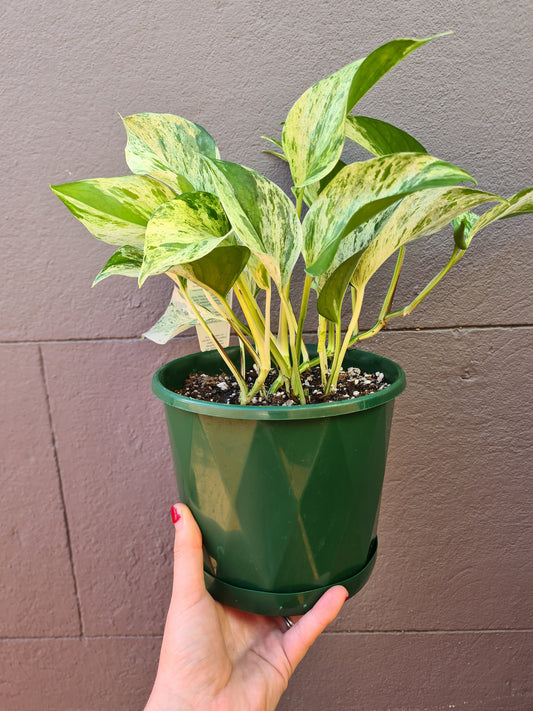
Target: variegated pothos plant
{"points": [[187, 213]]}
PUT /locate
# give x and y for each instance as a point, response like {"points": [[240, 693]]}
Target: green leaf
{"points": [[461, 228], [126, 261], [217, 271], [262, 216], [379, 137], [417, 215], [313, 134], [182, 230], [177, 318], [381, 61], [360, 191], [331, 296], [114, 210], [172, 147]]}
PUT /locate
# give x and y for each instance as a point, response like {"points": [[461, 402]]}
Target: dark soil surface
{"points": [[223, 388]]}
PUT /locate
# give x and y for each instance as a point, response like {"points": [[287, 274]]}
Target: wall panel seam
{"points": [[134, 339], [329, 633], [61, 492]]}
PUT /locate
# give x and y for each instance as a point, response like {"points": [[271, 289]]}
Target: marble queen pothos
{"points": [[199, 219]]}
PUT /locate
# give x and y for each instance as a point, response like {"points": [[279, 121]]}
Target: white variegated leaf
{"points": [[115, 210], [361, 190], [262, 216], [313, 134], [379, 137], [126, 261], [171, 147], [177, 318], [418, 215], [182, 230], [519, 204]]}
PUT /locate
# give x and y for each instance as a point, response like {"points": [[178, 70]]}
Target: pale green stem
{"points": [[353, 326], [229, 316], [255, 320], [322, 355], [242, 385], [331, 339], [303, 311], [394, 283], [243, 358], [456, 256], [296, 382], [335, 355], [268, 304]]}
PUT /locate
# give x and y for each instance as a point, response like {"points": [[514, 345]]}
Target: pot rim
{"points": [[393, 372]]}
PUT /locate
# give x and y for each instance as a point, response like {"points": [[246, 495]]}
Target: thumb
{"points": [[188, 586]]}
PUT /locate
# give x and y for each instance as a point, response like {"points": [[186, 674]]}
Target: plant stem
{"points": [[321, 348], [353, 326], [257, 325], [235, 372], [234, 322], [394, 283], [456, 256], [382, 321], [303, 311], [296, 383]]}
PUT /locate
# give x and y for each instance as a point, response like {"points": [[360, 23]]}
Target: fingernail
{"points": [[347, 596], [175, 515]]}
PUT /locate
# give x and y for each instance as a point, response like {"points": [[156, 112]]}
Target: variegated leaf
{"points": [[177, 318], [418, 215], [360, 191], [256, 275], [126, 261], [313, 134], [182, 230], [115, 210], [519, 204], [379, 137], [172, 147], [217, 271], [332, 284], [262, 216]]}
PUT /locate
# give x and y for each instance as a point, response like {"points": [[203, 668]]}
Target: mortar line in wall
{"points": [[61, 491], [327, 633], [133, 339]]}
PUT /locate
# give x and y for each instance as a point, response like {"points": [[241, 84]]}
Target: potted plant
{"points": [[282, 463]]}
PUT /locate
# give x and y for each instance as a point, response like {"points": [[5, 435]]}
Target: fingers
{"points": [[188, 586], [297, 640]]}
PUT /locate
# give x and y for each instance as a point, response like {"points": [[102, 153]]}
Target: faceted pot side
{"points": [[287, 498]]}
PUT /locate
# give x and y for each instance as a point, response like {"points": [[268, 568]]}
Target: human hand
{"points": [[215, 658]]}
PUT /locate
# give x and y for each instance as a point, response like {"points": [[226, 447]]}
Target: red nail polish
{"points": [[175, 515], [347, 596]]}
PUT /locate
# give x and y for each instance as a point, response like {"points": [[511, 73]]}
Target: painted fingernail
{"points": [[347, 596], [175, 515]]}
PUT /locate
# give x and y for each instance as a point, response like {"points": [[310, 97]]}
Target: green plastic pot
{"points": [[287, 498]]}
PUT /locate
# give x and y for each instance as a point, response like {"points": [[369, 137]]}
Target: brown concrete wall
{"points": [[85, 541]]}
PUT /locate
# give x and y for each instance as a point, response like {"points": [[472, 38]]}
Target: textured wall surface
{"points": [[85, 537]]}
